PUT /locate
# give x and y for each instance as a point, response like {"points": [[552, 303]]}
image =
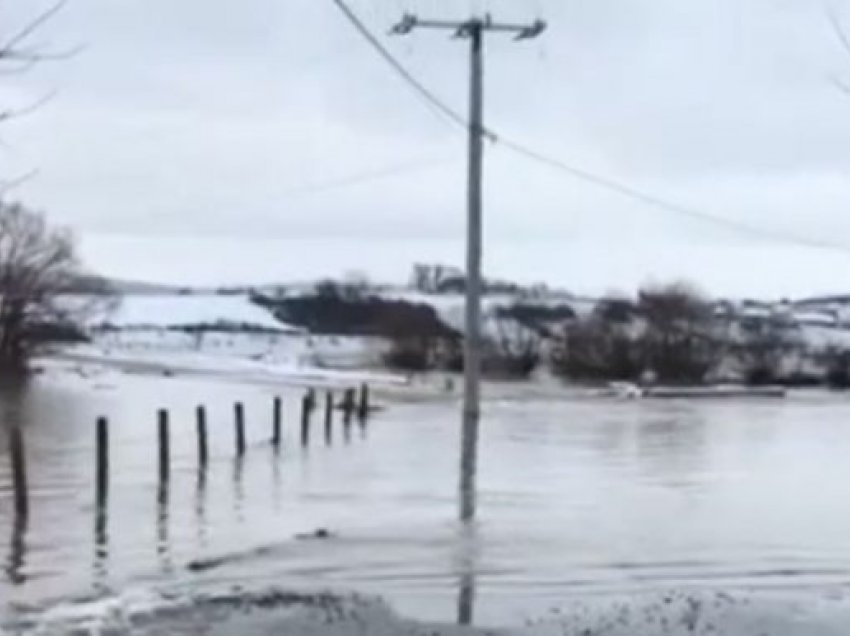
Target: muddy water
{"points": [[579, 498]]}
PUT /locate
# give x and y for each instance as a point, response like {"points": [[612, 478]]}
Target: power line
{"points": [[600, 181], [366, 176], [661, 204], [432, 100]]}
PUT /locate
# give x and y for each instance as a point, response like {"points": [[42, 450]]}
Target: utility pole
{"points": [[473, 30]]}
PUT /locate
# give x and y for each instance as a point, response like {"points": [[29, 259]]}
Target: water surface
{"points": [[579, 498]]}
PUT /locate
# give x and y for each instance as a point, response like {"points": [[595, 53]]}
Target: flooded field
{"points": [[580, 499]]}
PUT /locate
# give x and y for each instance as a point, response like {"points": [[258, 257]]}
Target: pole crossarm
{"points": [[465, 28]]}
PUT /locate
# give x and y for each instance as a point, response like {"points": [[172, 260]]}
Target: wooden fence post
{"points": [[102, 462], [363, 407], [348, 406], [276, 418], [19, 471], [240, 429], [201, 414], [306, 410], [329, 414], [164, 449]]}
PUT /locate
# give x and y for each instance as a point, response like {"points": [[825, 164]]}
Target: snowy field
{"points": [[272, 354], [180, 311], [225, 336]]}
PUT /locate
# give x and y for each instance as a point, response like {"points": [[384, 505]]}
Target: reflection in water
{"points": [[238, 489], [672, 448], [468, 564], [101, 545], [17, 548], [17, 551], [466, 598], [12, 395], [201, 504], [276, 482], [162, 541]]}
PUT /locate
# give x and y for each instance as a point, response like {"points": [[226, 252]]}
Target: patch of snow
{"points": [[172, 311], [816, 318], [324, 614], [246, 369], [451, 307], [288, 349], [819, 337]]}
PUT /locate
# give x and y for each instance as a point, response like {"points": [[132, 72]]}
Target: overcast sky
{"points": [[206, 141]]}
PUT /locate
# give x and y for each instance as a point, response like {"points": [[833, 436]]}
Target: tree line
{"points": [[668, 334]]}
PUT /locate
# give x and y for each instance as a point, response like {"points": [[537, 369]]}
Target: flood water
{"points": [[579, 497]]}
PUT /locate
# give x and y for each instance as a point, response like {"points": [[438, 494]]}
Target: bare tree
{"points": [[513, 350], [843, 40], [679, 342], [598, 347], [670, 331], [18, 53], [40, 277], [763, 346]]}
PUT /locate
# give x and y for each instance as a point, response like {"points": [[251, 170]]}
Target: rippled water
{"points": [[579, 497]]}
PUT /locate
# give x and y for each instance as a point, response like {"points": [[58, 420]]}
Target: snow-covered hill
{"points": [[188, 311]]}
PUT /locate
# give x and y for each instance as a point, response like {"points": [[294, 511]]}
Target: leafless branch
{"points": [[8, 185], [33, 55], [17, 56], [18, 67], [843, 39], [9, 48], [27, 110], [22, 54], [840, 84]]}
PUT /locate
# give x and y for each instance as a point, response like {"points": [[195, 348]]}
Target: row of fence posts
{"points": [[352, 405]]}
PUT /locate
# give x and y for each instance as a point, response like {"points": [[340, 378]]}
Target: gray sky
{"points": [[187, 141]]}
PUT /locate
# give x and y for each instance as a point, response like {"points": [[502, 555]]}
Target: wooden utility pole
{"points": [[473, 30]]}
